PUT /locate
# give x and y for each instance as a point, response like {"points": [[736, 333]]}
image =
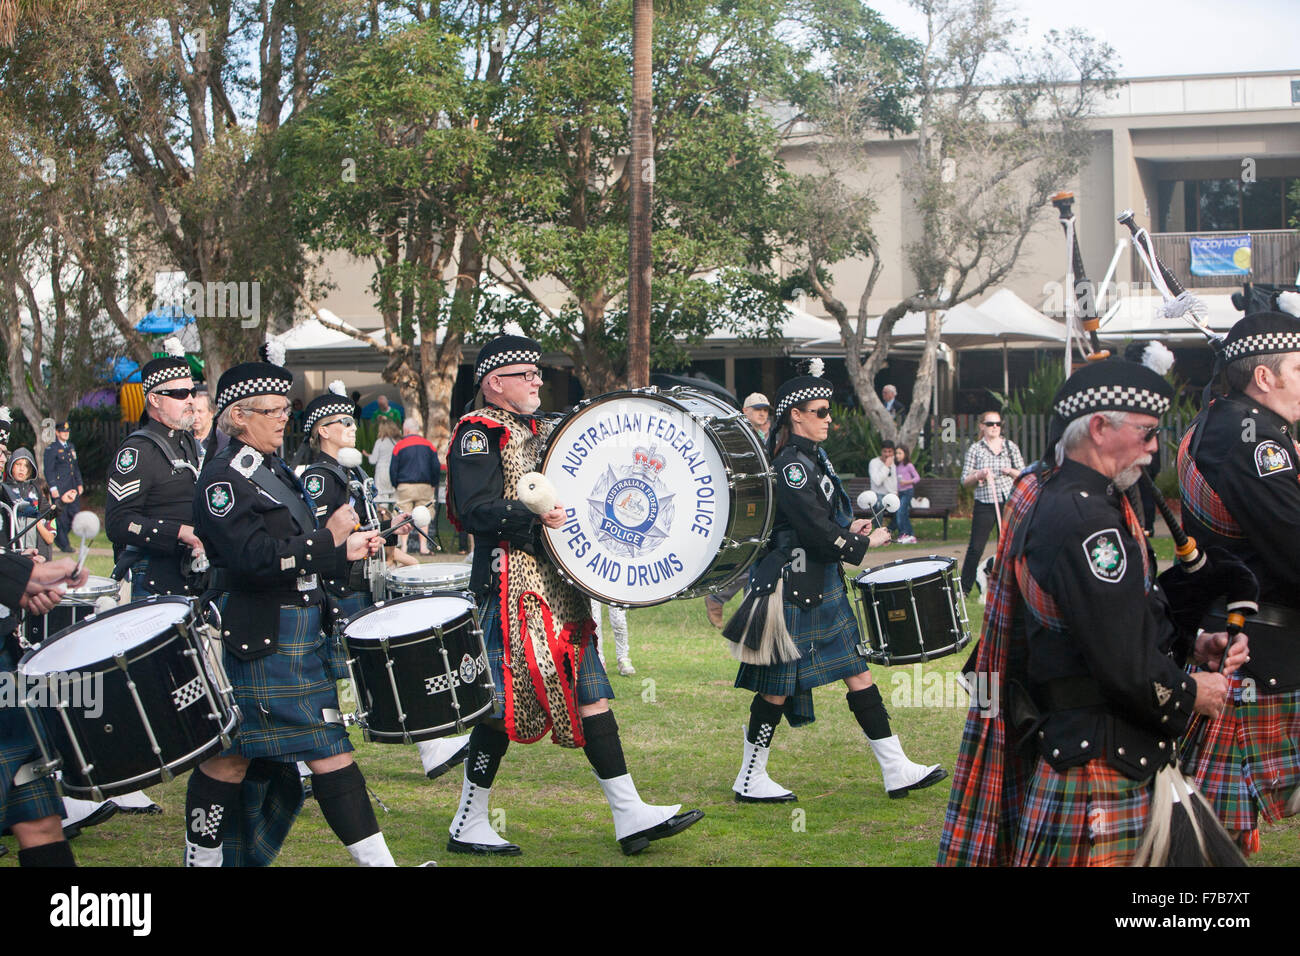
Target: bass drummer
{"points": [[490, 449], [814, 532], [331, 428]]}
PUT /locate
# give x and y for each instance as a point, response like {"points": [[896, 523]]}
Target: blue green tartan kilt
{"points": [[1249, 762], [32, 801], [593, 682], [281, 696], [827, 637], [1091, 815]]}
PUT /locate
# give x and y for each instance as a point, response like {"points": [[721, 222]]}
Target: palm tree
{"points": [[14, 12]]}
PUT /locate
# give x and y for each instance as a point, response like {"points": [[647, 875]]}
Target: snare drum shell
{"points": [[114, 741], [424, 677], [912, 619]]}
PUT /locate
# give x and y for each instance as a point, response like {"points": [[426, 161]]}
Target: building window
{"points": [[1224, 205]]}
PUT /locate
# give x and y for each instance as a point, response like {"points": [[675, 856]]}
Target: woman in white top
{"points": [[381, 455]]}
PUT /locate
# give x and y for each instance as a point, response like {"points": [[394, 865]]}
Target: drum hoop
{"points": [[394, 576], [948, 566], [434, 732], [667, 397], [407, 598], [134, 653], [91, 591]]}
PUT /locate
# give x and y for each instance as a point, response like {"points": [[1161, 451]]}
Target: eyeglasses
{"points": [[823, 412], [991, 424], [1148, 433], [532, 375], [347, 421], [281, 412], [180, 394]]}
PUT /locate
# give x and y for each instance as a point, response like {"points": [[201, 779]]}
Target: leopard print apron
{"points": [[546, 622]]}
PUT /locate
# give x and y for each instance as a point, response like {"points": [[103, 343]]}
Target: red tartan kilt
{"points": [[1091, 815]]}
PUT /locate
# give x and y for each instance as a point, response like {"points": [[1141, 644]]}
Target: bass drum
{"points": [[668, 495]]}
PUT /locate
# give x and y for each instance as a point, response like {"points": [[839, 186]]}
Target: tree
{"points": [[565, 121], [997, 129]]}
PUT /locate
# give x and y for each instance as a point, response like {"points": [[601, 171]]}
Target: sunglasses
{"points": [[991, 424], [346, 421], [180, 394], [1148, 433], [823, 412]]}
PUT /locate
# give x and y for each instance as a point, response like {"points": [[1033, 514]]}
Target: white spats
{"points": [[632, 814], [753, 785], [439, 756], [372, 851], [196, 855], [471, 829], [902, 775]]}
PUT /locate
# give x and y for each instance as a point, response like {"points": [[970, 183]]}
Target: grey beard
{"points": [[1128, 477]]}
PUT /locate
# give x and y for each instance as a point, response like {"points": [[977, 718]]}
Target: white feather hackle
{"points": [[173, 347], [4, 413], [815, 367], [338, 388], [1289, 302], [274, 352], [1158, 358]]}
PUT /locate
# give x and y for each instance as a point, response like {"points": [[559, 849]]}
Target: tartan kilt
{"points": [[31, 801], [1091, 815], [281, 696], [593, 683], [827, 637], [1249, 762]]}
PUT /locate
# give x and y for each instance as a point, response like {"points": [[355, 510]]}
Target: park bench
{"points": [[942, 492]]}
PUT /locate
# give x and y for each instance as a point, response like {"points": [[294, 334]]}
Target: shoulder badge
{"points": [[794, 475], [221, 498], [247, 462], [1105, 553], [126, 459], [315, 485], [1271, 458], [474, 442]]}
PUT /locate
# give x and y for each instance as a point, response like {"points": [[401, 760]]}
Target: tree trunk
{"points": [[642, 160]]}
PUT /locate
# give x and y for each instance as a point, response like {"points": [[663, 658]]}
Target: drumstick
{"points": [[997, 507]]}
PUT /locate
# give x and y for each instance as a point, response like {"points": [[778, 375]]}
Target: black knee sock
{"points": [[764, 717], [603, 748], [487, 746], [346, 805], [48, 854], [870, 711], [209, 805]]}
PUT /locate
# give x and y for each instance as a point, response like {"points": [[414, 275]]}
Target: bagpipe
{"points": [[1081, 294]]}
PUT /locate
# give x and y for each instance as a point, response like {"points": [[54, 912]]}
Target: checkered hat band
{"points": [[1101, 398], [178, 369], [1262, 344], [251, 388], [802, 395], [325, 411], [502, 359]]}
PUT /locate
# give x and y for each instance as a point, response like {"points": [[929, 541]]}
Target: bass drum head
{"points": [[416, 614], [646, 488], [100, 637]]}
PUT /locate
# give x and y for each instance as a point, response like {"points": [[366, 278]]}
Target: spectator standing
{"points": [[991, 457], [897, 410], [758, 412], [381, 456], [30, 500], [204, 434], [414, 471], [385, 410], [907, 479], [63, 475]]}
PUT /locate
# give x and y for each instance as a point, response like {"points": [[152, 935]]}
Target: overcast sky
{"points": [[1163, 37]]}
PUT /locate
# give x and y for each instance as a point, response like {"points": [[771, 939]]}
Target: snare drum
{"points": [[912, 610], [668, 495], [419, 668], [76, 605], [424, 578], [128, 698]]}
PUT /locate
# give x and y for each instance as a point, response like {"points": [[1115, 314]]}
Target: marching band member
{"points": [[1240, 488], [819, 644], [330, 428], [490, 449], [149, 513], [1075, 765], [268, 556]]}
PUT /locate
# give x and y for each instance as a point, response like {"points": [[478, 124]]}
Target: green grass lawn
{"points": [[682, 724]]}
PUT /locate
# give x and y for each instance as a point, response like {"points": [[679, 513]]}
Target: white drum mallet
{"points": [[536, 492], [878, 505], [85, 526]]}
